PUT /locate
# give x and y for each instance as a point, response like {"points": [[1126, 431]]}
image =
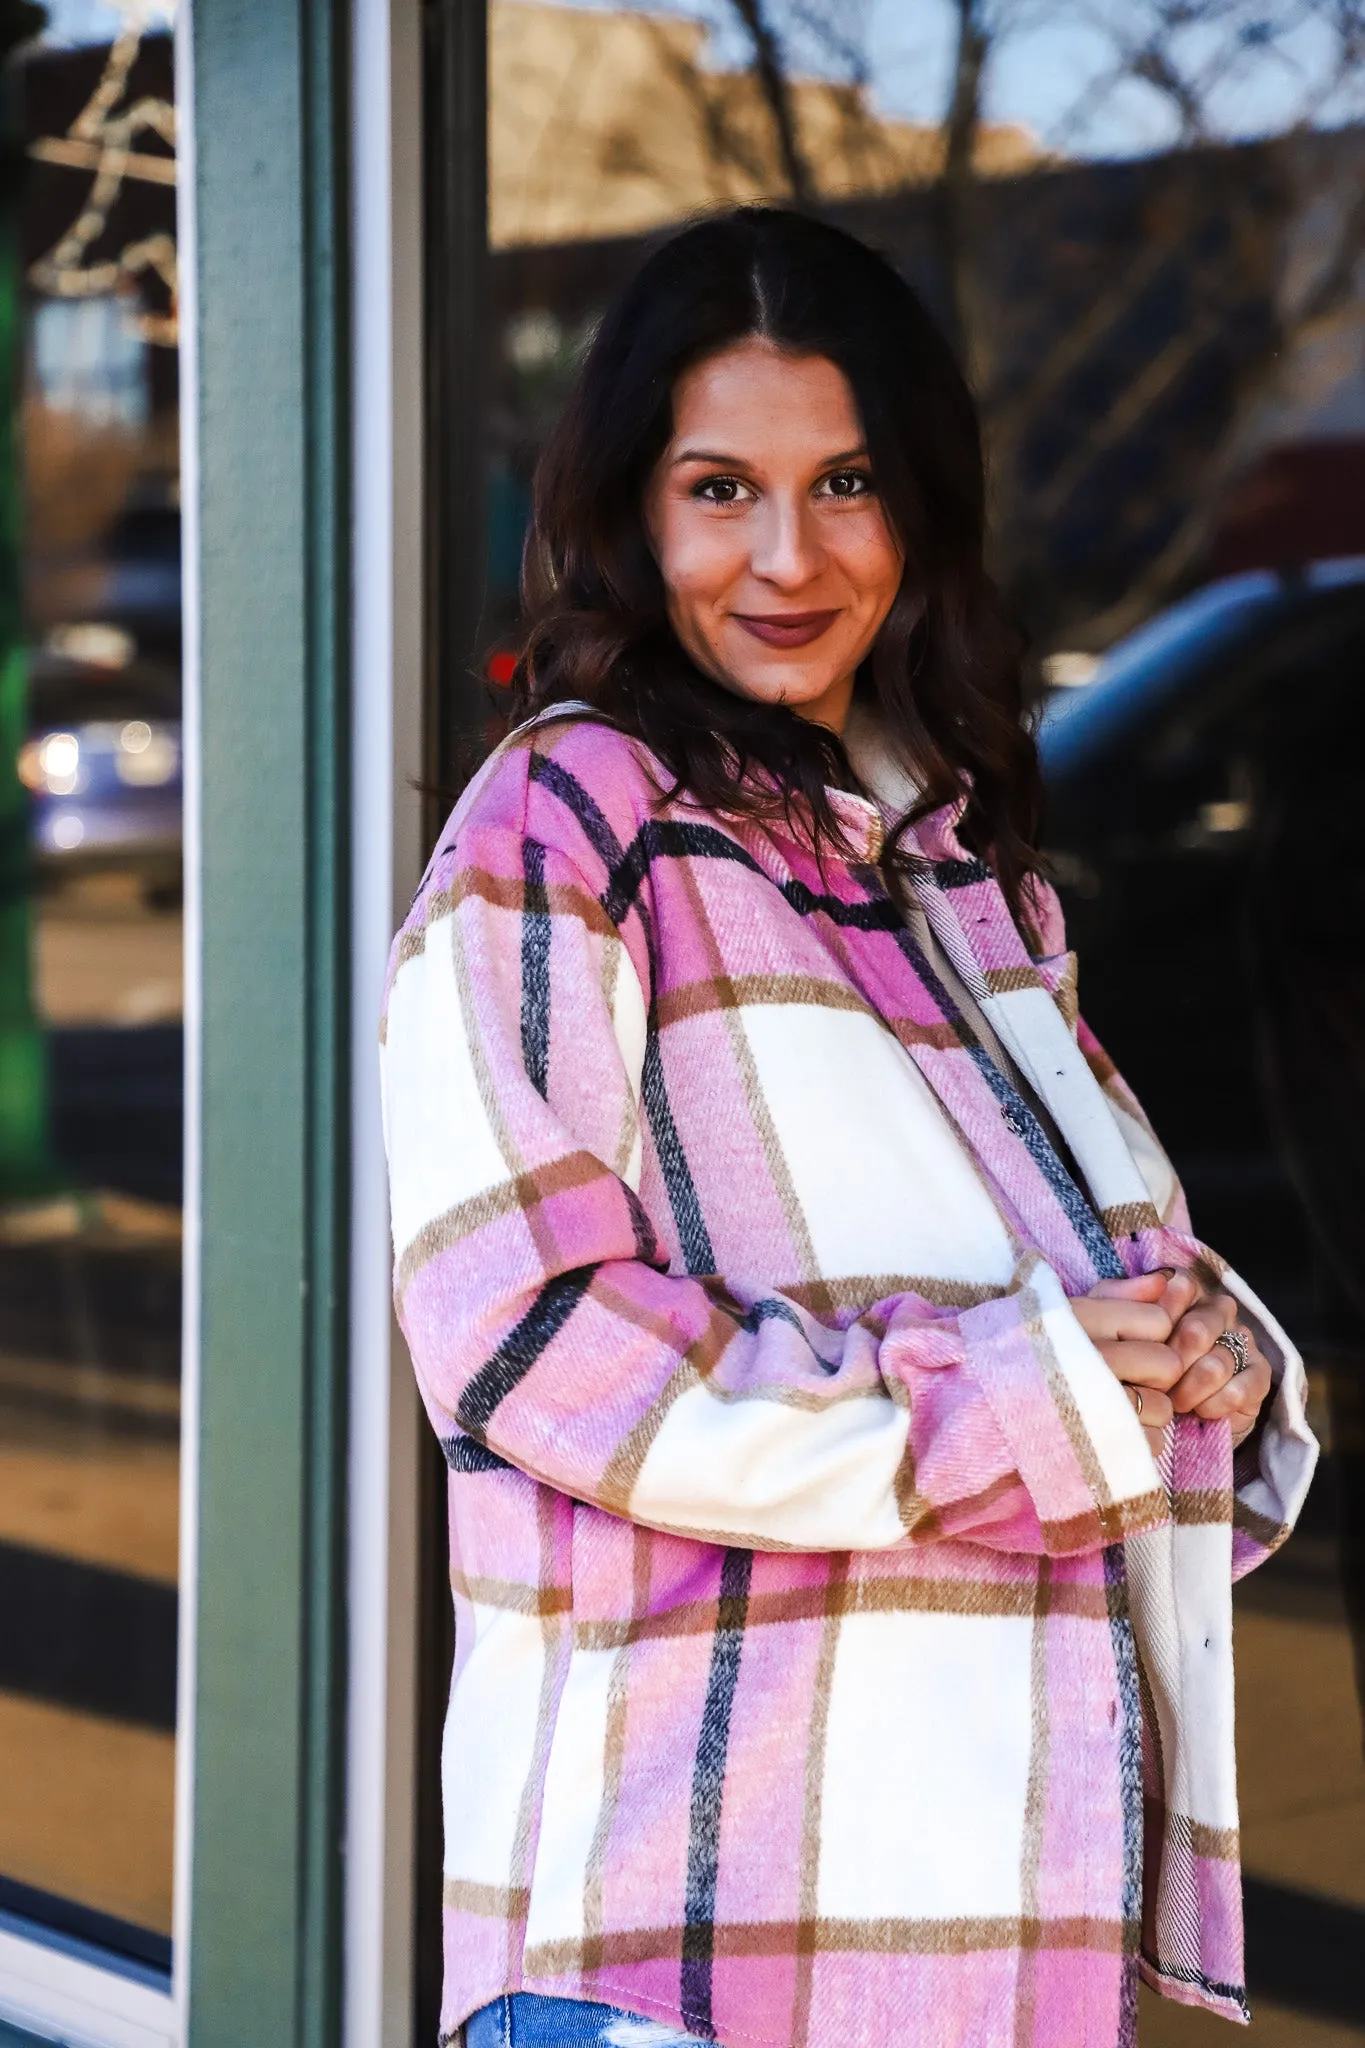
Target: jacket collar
{"points": [[893, 789], [865, 821]]}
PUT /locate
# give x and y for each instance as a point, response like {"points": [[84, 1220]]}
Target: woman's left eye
{"points": [[847, 483]]}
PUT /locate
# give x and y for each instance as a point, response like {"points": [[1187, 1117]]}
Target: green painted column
{"points": [[272, 515]]}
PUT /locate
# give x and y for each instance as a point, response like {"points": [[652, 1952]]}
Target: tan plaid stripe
{"points": [[957, 1937], [805, 1603], [1194, 1507], [1035, 1808], [1126, 1219], [857, 1290], [525, 1192], [1003, 981], [1107, 1525], [488, 1901], [812, 1796], [1261, 1528], [736, 992]]}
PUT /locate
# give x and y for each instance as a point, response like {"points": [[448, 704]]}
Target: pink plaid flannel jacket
{"points": [[834, 1665]]}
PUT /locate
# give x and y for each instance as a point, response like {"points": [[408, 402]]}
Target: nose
{"points": [[787, 550]]}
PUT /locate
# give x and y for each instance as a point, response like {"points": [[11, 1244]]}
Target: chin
{"points": [[782, 687]]}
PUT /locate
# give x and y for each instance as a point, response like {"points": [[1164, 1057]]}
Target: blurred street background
{"points": [[1143, 224]]}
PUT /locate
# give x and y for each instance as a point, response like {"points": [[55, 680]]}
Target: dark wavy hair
{"points": [[945, 672]]}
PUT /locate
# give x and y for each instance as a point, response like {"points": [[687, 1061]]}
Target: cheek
{"points": [[870, 559], [698, 557]]}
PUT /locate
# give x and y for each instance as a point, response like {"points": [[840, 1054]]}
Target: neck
{"points": [[831, 709]]}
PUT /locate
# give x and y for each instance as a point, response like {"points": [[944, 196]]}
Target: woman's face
{"points": [[778, 560]]}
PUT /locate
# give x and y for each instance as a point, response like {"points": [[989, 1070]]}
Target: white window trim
{"points": [[386, 859], [60, 1997]]}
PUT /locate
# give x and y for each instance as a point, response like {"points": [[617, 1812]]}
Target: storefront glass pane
{"points": [[90, 980], [1149, 252]]}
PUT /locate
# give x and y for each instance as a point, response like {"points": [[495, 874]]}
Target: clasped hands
{"points": [[1158, 1335]]}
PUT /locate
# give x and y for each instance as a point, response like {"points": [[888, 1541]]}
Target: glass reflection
{"points": [[1210, 765], [90, 986], [1160, 382]]}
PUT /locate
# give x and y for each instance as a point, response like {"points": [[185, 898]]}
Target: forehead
{"points": [[753, 399]]}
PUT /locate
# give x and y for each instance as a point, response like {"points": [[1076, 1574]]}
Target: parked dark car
{"points": [[1206, 795]]}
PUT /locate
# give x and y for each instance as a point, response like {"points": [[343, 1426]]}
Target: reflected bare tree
{"points": [[1214, 235], [1196, 58], [771, 73]]}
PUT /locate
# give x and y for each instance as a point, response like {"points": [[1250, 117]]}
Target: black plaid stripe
{"points": [[466, 1454], [501, 1374], [535, 971], [693, 1235], [1077, 1207], [708, 1786]]}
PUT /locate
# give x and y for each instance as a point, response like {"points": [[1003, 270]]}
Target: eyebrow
{"points": [[724, 461]]}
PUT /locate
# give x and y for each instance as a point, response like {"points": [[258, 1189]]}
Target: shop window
{"points": [[91, 992]]}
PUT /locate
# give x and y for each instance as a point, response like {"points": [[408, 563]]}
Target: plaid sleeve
{"points": [[544, 1324]]}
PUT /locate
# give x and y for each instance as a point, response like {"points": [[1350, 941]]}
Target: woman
{"points": [[843, 1425]]}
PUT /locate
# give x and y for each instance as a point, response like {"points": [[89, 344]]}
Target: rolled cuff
{"points": [[1274, 1468], [1079, 1448]]}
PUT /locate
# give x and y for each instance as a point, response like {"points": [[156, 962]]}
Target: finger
{"points": [[1209, 1373], [1143, 1365], [1156, 1440], [1199, 1329], [1181, 1292], [1241, 1395], [1108, 1319], [1141, 1287], [1241, 1399], [1151, 1407], [1202, 1380]]}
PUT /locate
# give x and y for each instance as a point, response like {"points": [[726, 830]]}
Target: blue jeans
{"points": [[523, 2019]]}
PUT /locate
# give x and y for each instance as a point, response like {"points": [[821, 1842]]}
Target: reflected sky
{"points": [[1050, 73], [95, 21]]}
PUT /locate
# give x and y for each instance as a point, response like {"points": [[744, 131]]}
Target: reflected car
{"points": [[103, 756], [1205, 797], [105, 786], [103, 763]]}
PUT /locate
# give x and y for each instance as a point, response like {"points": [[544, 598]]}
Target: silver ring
{"points": [[1136, 1393], [1239, 1344]]}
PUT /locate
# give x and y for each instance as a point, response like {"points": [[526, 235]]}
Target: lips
{"points": [[785, 629]]}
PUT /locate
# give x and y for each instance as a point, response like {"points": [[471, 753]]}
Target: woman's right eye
{"points": [[720, 490]]}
